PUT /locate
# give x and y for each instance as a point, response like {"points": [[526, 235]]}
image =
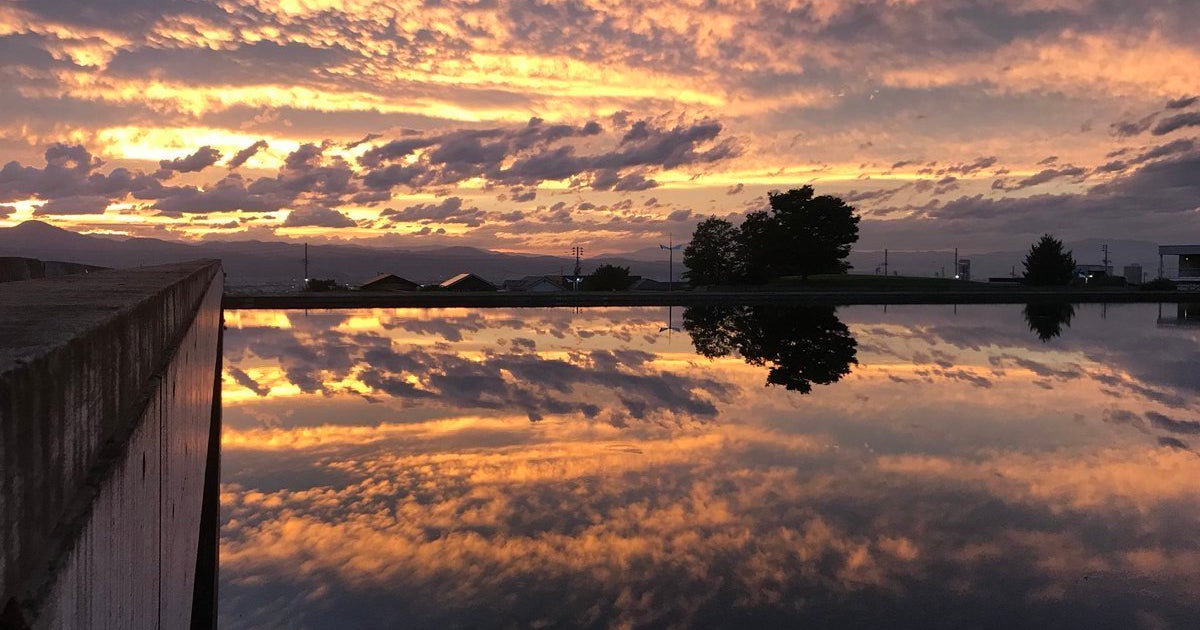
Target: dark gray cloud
{"points": [[1171, 442], [245, 380], [1162, 192], [540, 152], [968, 168], [70, 172], [242, 156], [1177, 122], [85, 204], [1128, 128], [1041, 177], [1182, 102], [203, 158], [449, 210], [231, 193], [1166, 423], [318, 217]]}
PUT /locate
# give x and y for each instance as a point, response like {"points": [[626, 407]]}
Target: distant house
{"points": [[389, 282], [536, 284], [648, 284], [467, 282], [1087, 271]]}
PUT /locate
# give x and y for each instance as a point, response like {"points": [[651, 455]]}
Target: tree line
{"points": [[803, 234], [800, 235]]}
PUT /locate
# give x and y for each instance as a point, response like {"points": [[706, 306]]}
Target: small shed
{"points": [[389, 282], [467, 282]]}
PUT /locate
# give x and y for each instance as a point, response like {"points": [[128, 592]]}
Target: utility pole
{"points": [[885, 262], [670, 260], [1106, 261], [956, 263], [306, 262], [578, 252]]}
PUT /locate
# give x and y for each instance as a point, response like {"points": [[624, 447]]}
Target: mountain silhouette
{"points": [[274, 262]]}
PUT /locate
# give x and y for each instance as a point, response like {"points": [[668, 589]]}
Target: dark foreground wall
{"points": [[16, 268], [109, 408]]}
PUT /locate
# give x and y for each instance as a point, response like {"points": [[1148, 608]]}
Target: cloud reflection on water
{"points": [[398, 480]]}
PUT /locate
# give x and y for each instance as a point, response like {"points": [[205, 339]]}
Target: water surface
{"points": [[927, 466]]}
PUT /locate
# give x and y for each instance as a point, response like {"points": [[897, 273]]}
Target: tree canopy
{"points": [[608, 278], [711, 256], [1047, 264], [801, 234]]}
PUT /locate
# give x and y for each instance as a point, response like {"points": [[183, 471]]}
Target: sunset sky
{"points": [[527, 126]]}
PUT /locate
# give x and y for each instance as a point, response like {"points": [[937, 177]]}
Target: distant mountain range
{"points": [[255, 263], [262, 263]]}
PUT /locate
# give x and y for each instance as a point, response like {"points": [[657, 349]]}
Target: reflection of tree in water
{"points": [[1048, 319], [802, 344]]}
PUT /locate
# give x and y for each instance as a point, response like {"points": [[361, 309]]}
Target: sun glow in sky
{"points": [[507, 124]]}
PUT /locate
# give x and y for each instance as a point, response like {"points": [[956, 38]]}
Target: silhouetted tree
{"points": [[815, 233], [759, 246], [711, 256], [1047, 264], [1047, 319], [801, 235], [802, 345], [608, 278]]}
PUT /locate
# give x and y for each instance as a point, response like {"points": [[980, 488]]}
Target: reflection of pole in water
{"points": [[670, 323]]}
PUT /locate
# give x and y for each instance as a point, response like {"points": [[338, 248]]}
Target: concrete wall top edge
{"points": [[37, 316], [81, 358]]}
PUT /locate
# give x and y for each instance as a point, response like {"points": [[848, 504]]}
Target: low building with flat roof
{"points": [[1189, 263]]}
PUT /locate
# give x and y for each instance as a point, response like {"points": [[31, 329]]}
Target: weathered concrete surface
{"points": [[107, 391], [14, 268]]}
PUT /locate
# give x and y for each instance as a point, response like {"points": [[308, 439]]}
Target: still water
{"points": [[919, 467]]}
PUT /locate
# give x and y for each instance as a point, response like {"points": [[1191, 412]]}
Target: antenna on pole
{"points": [[670, 260]]}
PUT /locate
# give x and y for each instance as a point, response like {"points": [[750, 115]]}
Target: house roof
{"points": [[388, 278], [1178, 250], [528, 282], [382, 276], [461, 277]]}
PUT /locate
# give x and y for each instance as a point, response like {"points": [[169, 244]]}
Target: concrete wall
{"points": [[15, 268], [108, 386]]}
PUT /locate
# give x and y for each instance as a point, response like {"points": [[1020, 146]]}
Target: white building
{"points": [[1133, 274]]}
